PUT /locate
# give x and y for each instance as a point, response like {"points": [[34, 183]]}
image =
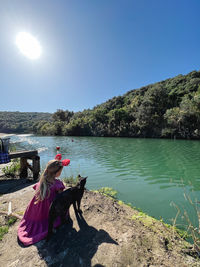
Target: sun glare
{"points": [[28, 45]]}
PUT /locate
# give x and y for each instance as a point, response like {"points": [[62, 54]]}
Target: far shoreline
{"points": [[5, 135]]}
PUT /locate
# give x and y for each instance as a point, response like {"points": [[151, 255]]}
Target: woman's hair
{"points": [[47, 178]]}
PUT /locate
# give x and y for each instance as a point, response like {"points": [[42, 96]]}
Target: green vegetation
{"points": [[11, 220], [4, 228], [70, 180], [3, 231], [108, 191], [167, 109], [13, 169], [22, 122]]}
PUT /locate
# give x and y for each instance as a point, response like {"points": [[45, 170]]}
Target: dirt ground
{"points": [[105, 234]]}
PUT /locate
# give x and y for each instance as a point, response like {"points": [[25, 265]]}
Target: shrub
{"points": [[70, 180], [13, 169]]}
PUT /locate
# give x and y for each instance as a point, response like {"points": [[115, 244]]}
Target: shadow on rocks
{"points": [[69, 247]]}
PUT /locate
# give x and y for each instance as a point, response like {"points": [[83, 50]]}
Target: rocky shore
{"points": [[108, 233]]}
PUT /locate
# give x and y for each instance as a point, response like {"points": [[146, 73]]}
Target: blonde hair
{"points": [[47, 178]]}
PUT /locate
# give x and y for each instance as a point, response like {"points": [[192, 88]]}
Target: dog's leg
{"points": [[50, 227], [79, 204], [74, 205]]}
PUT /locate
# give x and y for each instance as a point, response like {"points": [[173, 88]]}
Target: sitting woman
{"points": [[34, 224]]}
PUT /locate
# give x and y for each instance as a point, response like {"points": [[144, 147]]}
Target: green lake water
{"points": [[151, 174]]}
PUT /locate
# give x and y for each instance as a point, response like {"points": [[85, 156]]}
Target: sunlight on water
{"points": [[149, 173]]}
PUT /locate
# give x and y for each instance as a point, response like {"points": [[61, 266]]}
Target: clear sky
{"points": [[93, 50]]}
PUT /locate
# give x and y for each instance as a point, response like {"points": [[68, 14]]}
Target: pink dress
{"points": [[34, 224]]}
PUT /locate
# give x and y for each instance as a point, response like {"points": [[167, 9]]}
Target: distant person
{"points": [[34, 224]]}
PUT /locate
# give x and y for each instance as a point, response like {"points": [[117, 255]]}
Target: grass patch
{"points": [[11, 220], [182, 233], [108, 191], [120, 202], [4, 228], [13, 169], [144, 218], [3, 231]]}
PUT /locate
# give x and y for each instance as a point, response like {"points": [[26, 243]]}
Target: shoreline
{"points": [[108, 232], [5, 135]]}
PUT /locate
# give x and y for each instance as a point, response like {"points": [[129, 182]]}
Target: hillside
{"points": [[21, 122], [167, 109]]}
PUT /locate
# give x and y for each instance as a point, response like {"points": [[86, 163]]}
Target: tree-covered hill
{"points": [[21, 122], [167, 109]]}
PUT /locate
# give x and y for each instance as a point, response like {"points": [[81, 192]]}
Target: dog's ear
{"points": [[78, 179], [81, 178]]}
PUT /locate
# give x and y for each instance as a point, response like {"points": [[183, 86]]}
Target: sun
{"points": [[28, 45]]}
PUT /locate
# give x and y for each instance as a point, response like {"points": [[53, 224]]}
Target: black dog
{"points": [[63, 201]]}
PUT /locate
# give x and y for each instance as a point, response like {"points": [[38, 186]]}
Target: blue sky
{"points": [[93, 50]]}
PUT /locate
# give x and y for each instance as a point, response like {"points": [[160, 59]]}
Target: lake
{"points": [[151, 174]]}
